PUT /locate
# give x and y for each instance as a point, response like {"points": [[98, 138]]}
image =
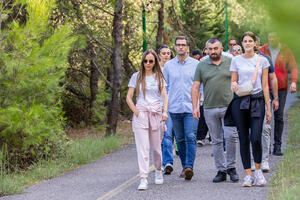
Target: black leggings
{"points": [[244, 121]]}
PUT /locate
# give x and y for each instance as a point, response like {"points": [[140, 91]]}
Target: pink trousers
{"points": [[147, 139]]}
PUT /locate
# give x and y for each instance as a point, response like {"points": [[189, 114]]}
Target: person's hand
{"points": [[275, 104], [137, 113], [196, 113], [165, 116], [293, 87], [234, 86], [268, 116]]}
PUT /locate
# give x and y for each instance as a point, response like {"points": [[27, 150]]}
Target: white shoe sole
{"points": [[160, 182]]}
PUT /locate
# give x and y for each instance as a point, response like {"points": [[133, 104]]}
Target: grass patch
{"points": [[286, 180], [80, 151]]}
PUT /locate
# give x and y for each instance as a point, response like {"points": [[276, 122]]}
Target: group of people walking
{"points": [[226, 93]]}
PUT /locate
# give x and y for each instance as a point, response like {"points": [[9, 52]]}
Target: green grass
{"points": [[79, 152], [286, 180]]}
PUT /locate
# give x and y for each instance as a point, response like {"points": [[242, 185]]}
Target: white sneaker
{"points": [[259, 178], [248, 181], [143, 184], [265, 166], [159, 179], [200, 143]]}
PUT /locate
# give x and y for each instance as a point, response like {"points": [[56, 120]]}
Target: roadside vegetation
{"points": [[83, 147]]}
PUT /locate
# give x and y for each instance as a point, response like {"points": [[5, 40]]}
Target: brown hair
{"points": [[141, 78], [250, 34]]}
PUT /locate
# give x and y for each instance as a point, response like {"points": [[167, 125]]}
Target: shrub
{"points": [[34, 58]]}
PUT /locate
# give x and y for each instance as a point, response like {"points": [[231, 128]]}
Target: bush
{"points": [[34, 58]]}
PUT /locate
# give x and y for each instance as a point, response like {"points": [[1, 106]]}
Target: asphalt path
{"points": [[115, 177]]}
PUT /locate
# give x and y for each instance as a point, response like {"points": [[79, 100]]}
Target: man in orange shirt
{"points": [[283, 60]]}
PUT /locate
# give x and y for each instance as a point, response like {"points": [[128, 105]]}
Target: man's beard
{"points": [[216, 57], [181, 54]]}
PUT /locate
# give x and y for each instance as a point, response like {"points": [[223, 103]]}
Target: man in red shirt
{"points": [[283, 60]]}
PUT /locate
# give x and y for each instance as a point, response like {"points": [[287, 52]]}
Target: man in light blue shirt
{"points": [[179, 74]]}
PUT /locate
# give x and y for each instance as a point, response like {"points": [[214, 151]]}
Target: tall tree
{"points": [[160, 28], [114, 106]]}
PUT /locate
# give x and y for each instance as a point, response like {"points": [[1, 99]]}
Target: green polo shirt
{"points": [[216, 80]]}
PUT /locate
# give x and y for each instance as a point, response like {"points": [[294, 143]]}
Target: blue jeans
{"points": [[185, 128], [167, 143]]}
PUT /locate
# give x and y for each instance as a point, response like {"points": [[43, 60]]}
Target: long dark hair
{"points": [[141, 79]]}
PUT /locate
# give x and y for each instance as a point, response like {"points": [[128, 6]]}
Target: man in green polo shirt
{"points": [[214, 73]]}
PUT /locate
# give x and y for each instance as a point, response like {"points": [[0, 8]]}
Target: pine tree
{"points": [[34, 59]]}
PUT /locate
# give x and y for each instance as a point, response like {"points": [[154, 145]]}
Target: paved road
{"points": [[115, 177]]}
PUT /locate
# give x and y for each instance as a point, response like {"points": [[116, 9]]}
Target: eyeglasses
{"points": [[236, 49], [181, 45], [148, 61], [165, 53]]}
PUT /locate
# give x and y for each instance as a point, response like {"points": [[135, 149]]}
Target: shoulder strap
{"points": [[256, 69]]}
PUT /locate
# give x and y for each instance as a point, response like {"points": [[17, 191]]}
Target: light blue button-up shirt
{"points": [[179, 78]]}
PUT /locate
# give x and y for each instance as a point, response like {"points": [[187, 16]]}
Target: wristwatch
{"points": [[276, 98]]}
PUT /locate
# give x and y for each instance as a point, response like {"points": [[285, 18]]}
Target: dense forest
{"points": [[66, 63]]}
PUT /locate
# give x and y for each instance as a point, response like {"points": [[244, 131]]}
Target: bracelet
{"points": [[276, 98]]}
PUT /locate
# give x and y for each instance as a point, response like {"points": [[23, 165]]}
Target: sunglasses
{"points": [[236, 49], [165, 53], [181, 45], [232, 44], [148, 61]]}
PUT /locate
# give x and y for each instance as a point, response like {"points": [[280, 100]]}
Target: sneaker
{"points": [[265, 166], [259, 178], [143, 184], [168, 169], [188, 173], [159, 179], [248, 181], [200, 143], [234, 177], [221, 176], [277, 151]]}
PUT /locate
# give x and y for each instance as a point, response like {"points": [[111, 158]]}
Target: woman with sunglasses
{"points": [[150, 86], [248, 111]]}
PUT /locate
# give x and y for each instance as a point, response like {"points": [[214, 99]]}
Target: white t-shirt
{"points": [[152, 91], [245, 68]]}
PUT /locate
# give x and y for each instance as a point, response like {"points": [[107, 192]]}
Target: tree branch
{"points": [[79, 94], [96, 6], [94, 63], [90, 35]]}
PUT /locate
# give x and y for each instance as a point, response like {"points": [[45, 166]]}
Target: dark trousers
{"points": [[244, 121], [278, 118], [202, 127]]}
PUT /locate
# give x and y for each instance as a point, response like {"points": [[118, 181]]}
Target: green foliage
{"points": [[286, 22], [34, 58], [286, 180], [78, 152]]}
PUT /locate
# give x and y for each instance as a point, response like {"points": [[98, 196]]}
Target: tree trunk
{"points": [[94, 77], [160, 28], [114, 106], [127, 64]]}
